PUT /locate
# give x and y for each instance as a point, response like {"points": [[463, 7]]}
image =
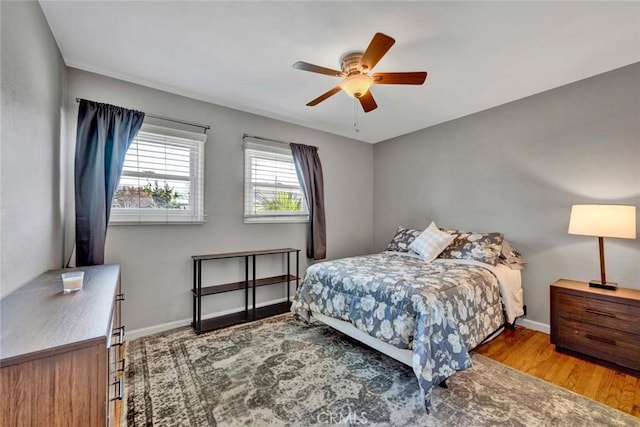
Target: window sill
{"points": [[275, 220], [156, 220], [118, 223]]}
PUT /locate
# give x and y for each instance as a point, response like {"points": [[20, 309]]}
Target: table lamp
{"points": [[603, 221]]}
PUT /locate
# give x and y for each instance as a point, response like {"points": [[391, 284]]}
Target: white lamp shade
{"points": [[603, 221]]}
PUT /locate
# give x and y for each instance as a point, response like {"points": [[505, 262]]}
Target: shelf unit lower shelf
{"points": [[241, 317], [198, 291]]}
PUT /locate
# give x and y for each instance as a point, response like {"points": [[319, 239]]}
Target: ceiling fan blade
{"points": [[324, 96], [367, 102], [410, 78], [305, 66], [380, 44]]}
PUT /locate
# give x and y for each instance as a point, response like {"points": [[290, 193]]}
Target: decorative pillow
{"points": [[483, 247], [510, 257], [402, 239], [431, 242]]}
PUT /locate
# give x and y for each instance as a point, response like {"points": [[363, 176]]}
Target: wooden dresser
{"points": [[59, 353], [598, 323]]}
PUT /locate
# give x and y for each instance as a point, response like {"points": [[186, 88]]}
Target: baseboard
{"points": [[142, 332], [150, 330], [532, 324]]}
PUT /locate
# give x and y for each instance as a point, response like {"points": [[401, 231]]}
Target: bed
{"points": [[428, 315]]}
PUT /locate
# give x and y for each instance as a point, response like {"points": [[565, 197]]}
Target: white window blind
{"points": [[272, 192], [162, 178]]}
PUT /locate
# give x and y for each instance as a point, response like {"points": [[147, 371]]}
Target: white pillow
{"points": [[431, 242]]}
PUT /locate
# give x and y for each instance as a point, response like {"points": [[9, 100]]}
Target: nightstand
{"points": [[600, 324]]}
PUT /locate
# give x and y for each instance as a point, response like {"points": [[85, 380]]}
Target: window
{"points": [[272, 192], [162, 178]]}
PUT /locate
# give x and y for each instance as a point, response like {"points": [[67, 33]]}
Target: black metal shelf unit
{"points": [[199, 291]]}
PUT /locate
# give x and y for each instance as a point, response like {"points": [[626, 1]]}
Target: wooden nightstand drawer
{"points": [[606, 344], [599, 312], [599, 324]]}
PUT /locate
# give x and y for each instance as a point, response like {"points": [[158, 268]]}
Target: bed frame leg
{"points": [[443, 384]]}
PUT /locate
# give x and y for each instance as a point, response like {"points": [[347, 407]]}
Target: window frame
{"points": [[272, 152], [196, 214]]}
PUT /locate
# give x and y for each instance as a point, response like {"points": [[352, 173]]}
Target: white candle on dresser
{"points": [[72, 281]]}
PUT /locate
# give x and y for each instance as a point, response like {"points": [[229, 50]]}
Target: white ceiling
{"points": [[239, 54]]}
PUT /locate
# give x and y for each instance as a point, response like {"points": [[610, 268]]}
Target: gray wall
{"points": [[517, 169], [32, 87], [155, 259]]}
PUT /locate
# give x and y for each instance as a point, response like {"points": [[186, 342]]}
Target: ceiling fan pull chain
{"points": [[356, 126]]}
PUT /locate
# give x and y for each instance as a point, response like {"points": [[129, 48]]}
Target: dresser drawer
{"points": [[607, 344], [599, 312]]}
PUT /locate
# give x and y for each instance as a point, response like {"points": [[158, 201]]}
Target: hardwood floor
{"points": [[531, 351]]}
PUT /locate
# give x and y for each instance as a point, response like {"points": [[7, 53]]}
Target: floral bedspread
{"points": [[440, 310]]}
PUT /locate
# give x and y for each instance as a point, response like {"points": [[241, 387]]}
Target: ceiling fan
{"points": [[355, 70]]}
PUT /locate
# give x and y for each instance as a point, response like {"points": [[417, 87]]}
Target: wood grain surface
{"points": [[54, 347], [598, 323], [40, 320]]}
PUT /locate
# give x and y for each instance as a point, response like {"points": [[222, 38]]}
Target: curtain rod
{"points": [[261, 138], [246, 135], [198, 125]]}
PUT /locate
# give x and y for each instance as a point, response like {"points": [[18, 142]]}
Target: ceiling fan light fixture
{"points": [[356, 85], [356, 66]]}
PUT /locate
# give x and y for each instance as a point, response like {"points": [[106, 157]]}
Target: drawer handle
{"points": [[600, 313], [120, 389], [604, 340], [120, 297], [118, 332], [122, 363]]}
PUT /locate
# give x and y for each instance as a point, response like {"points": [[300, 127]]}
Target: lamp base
{"points": [[607, 285]]}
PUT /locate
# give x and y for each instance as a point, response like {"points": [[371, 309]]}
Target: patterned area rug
{"points": [[277, 372]]}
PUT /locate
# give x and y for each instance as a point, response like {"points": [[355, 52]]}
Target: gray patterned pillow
{"points": [[403, 238], [510, 257], [483, 247]]}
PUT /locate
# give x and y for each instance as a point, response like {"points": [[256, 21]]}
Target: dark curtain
{"points": [[309, 170], [105, 132]]}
